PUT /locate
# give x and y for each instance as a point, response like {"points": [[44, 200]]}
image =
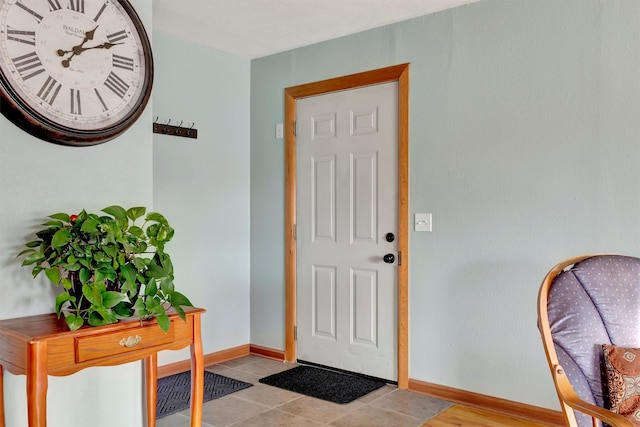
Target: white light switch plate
{"points": [[422, 222], [279, 130]]}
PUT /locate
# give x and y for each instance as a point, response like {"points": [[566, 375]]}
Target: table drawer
{"points": [[125, 341]]}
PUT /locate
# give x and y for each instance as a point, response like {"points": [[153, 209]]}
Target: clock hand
{"points": [[87, 36], [78, 50]]}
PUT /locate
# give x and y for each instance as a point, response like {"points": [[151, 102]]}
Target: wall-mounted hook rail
{"points": [[179, 130]]}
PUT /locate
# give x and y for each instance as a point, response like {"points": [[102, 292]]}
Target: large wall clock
{"points": [[73, 72]]}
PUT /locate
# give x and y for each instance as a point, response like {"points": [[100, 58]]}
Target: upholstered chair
{"points": [[585, 302]]}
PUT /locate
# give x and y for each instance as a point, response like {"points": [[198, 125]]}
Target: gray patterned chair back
{"points": [[595, 301]]}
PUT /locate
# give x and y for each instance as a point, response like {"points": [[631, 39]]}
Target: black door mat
{"points": [[174, 391], [323, 384]]}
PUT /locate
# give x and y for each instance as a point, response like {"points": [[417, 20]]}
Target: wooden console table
{"points": [[38, 346]]}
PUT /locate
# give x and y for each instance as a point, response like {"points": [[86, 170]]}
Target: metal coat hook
{"points": [[191, 131], [179, 130]]}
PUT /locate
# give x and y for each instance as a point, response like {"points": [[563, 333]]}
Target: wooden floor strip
{"points": [[460, 415]]}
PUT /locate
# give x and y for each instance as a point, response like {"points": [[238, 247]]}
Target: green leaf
{"points": [[142, 247], [137, 232], [128, 272], [162, 234], [73, 267], [154, 307], [56, 224], [123, 310], [92, 294], [101, 257], [151, 289], [67, 284], [90, 226], [117, 212], [61, 216], [139, 305], [152, 230], [111, 250], [85, 275], [180, 312], [61, 299], [130, 288], [106, 272], [177, 299], [61, 238], [141, 263], [165, 261], [53, 274], [111, 299], [164, 322], [36, 270], [155, 216], [33, 258], [74, 322], [102, 317], [167, 286], [33, 244], [25, 251], [135, 213]]}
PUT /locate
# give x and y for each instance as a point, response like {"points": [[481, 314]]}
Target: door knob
{"points": [[390, 237], [389, 258]]}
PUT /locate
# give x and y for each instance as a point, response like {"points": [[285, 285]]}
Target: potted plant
{"points": [[110, 266]]}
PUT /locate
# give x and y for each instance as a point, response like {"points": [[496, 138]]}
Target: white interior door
{"points": [[347, 195]]}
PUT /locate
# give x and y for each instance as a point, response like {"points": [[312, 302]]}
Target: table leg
{"points": [[151, 381], [197, 374], [37, 383], [1, 396]]}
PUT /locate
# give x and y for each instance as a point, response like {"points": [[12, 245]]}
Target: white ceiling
{"points": [[256, 28]]}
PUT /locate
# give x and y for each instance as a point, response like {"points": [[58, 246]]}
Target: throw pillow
{"points": [[623, 380]]}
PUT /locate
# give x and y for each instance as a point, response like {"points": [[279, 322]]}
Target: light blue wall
{"points": [[38, 179], [202, 185], [524, 144]]}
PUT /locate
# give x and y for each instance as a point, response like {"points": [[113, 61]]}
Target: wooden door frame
{"points": [[399, 73]]}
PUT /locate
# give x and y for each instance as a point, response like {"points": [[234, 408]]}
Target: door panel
{"points": [[346, 204]]}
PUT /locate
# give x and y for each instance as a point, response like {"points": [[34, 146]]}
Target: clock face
{"points": [[75, 72]]}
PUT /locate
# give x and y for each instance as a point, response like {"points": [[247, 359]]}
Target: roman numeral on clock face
{"points": [[54, 5], [77, 5], [28, 65], [29, 11], [76, 106], [104, 105], [116, 84], [116, 37], [26, 37], [123, 62], [49, 90], [104, 6]]}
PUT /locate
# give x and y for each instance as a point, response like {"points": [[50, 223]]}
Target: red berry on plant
{"points": [[72, 218]]}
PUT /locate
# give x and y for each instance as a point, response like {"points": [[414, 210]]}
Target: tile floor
{"points": [[263, 405]]}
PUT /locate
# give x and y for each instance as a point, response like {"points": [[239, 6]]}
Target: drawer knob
{"points": [[130, 341]]}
